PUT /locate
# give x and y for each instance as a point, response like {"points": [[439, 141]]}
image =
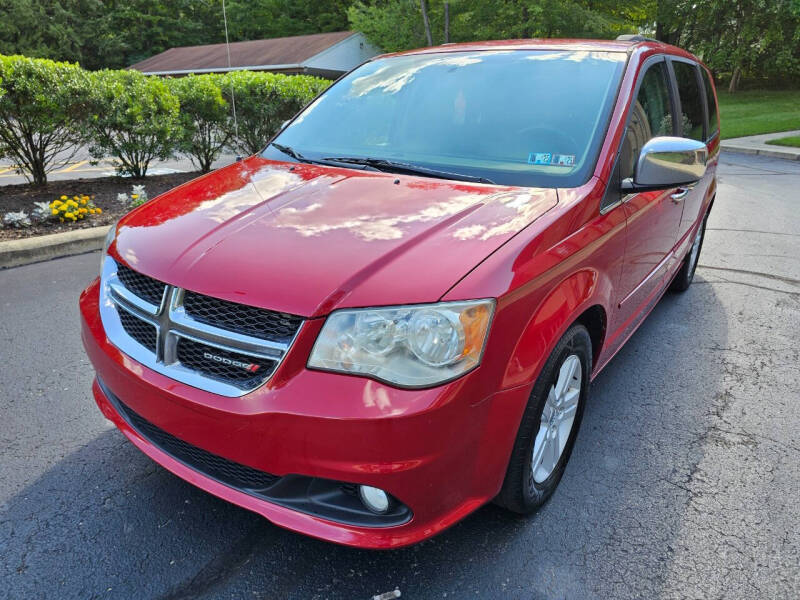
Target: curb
{"points": [[761, 151], [15, 253]]}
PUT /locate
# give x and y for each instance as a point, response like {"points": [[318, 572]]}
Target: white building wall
{"points": [[345, 55]]}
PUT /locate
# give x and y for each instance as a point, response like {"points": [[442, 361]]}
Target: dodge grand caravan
{"points": [[391, 316]]}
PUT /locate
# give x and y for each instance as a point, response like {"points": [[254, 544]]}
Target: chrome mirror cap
{"points": [[666, 162]]}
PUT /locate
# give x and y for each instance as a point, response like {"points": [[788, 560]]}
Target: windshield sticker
{"points": [[550, 159]]}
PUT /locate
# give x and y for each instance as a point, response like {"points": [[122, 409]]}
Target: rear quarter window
{"points": [[713, 121]]}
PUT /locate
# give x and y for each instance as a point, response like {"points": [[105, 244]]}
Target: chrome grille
{"points": [[219, 346]]}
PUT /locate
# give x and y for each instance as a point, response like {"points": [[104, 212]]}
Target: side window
{"points": [[713, 122], [651, 116], [691, 100]]}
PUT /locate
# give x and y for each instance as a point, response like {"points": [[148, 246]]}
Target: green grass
{"points": [[754, 112], [792, 140]]}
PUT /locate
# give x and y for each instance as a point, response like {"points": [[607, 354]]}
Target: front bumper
{"points": [[441, 452]]}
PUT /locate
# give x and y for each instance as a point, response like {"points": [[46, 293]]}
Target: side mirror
{"points": [[666, 162]]}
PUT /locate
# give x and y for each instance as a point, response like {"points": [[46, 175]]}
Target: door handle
{"points": [[680, 194]]}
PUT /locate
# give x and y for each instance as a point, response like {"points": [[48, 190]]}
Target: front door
{"points": [[653, 218]]}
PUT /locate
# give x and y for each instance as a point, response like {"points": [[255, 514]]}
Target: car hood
{"points": [[307, 239]]}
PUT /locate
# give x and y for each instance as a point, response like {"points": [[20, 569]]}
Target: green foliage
{"points": [[134, 118], [392, 26], [42, 113], [263, 102], [738, 39], [397, 25], [204, 114], [260, 19], [116, 33]]}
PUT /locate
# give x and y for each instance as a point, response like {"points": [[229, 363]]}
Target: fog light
{"points": [[375, 499]]}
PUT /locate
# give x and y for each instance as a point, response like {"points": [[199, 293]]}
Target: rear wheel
{"points": [[685, 275], [549, 425]]}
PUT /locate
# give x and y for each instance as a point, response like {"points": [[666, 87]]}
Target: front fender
{"points": [[559, 309]]}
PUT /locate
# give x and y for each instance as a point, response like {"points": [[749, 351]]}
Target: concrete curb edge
{"points": [[760, 151], [15, 253]]}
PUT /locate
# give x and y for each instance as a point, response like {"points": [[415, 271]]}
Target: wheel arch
{"points": [[583, 297]]}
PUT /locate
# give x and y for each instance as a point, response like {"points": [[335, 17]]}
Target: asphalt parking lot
{"points": [[684, 481]]}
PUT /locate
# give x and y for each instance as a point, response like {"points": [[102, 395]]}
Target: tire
{"points": [[525, 489], [683, 278]]}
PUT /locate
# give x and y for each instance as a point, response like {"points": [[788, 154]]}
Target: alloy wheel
{"points": [[558, 415]]}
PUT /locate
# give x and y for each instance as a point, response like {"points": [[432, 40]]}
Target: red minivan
{"points": [[391, 316]]}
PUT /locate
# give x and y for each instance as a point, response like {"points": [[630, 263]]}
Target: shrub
{"points": [[263, 102], [204, 113], [42, 113], [134, 118]]}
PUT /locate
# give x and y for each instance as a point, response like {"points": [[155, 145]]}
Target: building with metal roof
{"points": [[322, 54]]}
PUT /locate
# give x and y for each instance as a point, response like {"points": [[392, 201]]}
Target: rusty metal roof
{"points": [[275, 53]]}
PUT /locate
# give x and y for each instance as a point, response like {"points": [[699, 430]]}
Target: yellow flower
{"points": [[99, 211], [63, 197], [84, 200], [69, 215], [85, 197], [61, 220], [134, 196], [55, 211]]}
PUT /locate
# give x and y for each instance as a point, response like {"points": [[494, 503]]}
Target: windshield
{"points": [[525, 118]]}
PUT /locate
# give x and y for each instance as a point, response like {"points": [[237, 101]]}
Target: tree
{"points": [[42, 113], [204, 114], [401, 24], [134, 118]]}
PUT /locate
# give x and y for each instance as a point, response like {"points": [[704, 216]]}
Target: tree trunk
{"points": [[38, 173], [425, 21], [446, 22], [737, 73]]}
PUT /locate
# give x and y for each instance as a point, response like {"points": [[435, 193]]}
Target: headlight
{"points": [[409, 346]]}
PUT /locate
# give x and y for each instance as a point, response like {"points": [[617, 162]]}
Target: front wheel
{"points": [[549, 425], [685, 275]]}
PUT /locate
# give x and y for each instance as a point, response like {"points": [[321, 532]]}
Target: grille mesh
{"points": [[143, 286], [191, 355], [142, 331], [224, 470], [240, 318]]}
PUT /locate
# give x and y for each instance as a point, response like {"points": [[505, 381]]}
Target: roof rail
{"points": [[634, 37]]}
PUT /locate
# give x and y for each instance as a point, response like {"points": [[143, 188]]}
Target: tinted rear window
{"points": [[691, 100]]}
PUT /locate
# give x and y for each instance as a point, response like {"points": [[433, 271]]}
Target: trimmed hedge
{"points": [[133, 118], [263, 102], [43, 108], [48, 110]]}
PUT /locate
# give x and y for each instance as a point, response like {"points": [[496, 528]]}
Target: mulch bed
{"points": [[104, 189]]}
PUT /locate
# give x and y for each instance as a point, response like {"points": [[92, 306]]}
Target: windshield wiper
{"points": [[289, 151], [383, 164]]}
